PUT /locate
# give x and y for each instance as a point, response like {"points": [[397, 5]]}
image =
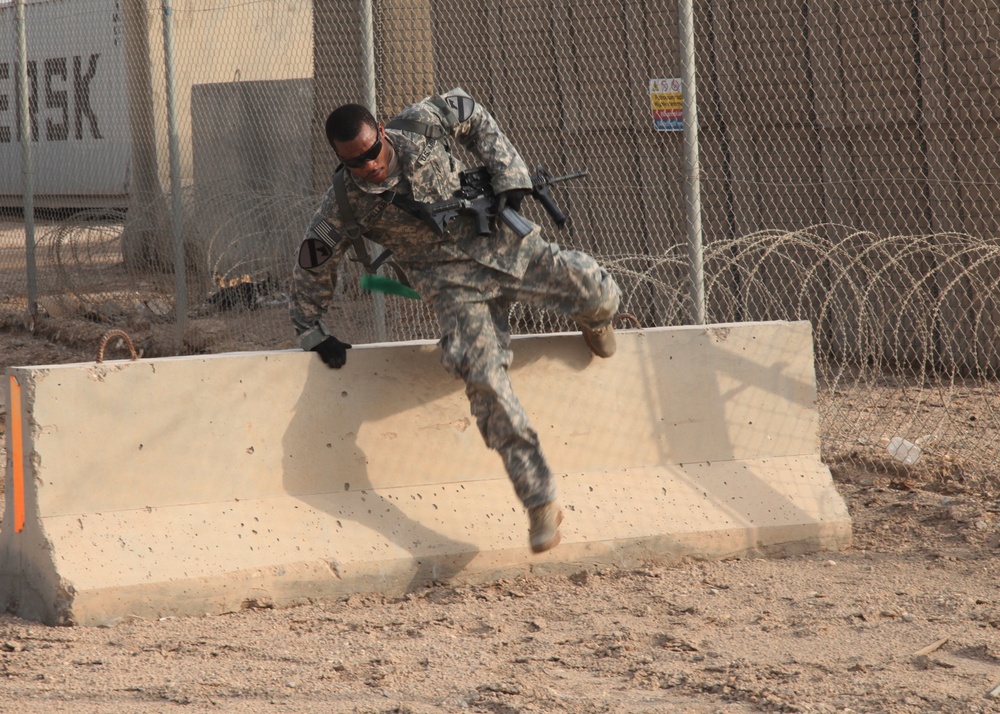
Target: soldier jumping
{"points": [[468, 271]]}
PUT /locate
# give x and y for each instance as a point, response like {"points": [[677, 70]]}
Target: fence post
{"points": [[692, 169], [27, 168], [180, 282], [371, 100]]}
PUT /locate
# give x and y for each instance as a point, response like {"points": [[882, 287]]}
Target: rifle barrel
{"points": [[557, 179]]}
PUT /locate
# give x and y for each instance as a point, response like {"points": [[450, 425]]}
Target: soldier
{"points": [[469, 280]]}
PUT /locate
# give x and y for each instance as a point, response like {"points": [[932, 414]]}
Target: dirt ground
{"points": [[907, 620]]}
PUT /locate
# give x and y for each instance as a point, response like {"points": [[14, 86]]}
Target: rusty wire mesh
{"points": [[849, 174]]}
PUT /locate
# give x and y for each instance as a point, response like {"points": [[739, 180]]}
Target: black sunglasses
{"points": [[370, 155]]}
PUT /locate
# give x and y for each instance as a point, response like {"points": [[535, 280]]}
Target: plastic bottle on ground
{"points": [[903, 450]]}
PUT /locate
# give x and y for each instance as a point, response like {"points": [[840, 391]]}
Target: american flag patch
{"points": [[325, 232]]}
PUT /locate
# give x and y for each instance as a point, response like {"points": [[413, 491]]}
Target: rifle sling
{"points": [[431, 131], [356, 234]]}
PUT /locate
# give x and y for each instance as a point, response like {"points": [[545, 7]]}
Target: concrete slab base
{"points": [[199, 485]]}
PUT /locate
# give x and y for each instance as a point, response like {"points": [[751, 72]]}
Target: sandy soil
{"points": [[907, 620]]}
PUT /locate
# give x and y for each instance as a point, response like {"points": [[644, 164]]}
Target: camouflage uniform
{"points": [[469, 280]]}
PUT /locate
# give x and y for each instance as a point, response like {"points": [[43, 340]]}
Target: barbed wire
{"points": [[906, 328]]}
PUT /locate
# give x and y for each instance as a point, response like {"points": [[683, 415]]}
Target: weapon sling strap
{"points": [[431, 131], [355, 233]]}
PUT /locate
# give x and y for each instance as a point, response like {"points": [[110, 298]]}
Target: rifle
{"points": [[476, 196]]}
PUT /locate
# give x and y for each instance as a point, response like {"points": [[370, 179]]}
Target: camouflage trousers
{"points": [[473, 312]]}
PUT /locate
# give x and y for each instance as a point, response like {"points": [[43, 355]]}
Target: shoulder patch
{"points": [[313, 253], [322, 230], [463, 105]]}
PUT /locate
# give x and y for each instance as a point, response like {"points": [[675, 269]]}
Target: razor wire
{"points": [[849, 174]]}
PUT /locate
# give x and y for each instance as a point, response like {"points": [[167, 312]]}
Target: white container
{"points": [[903, 450]]}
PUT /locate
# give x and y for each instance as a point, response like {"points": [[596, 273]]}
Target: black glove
{"points": [[513, 199], [333, 352]]}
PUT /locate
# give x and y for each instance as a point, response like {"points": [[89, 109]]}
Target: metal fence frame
{"points": [[838, 163]]}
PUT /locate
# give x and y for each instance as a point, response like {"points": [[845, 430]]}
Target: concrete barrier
{"points": [[195, 485]]}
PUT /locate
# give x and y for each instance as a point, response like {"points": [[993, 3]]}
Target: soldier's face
{"points": [[367, 155]]}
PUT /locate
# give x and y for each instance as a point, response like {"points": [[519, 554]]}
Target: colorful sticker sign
{"points": [[667, 104]]}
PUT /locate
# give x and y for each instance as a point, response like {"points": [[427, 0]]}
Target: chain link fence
{"points": [[848, 176]]}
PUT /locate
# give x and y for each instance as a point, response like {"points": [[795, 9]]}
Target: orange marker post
{"points": [[17, 454]]}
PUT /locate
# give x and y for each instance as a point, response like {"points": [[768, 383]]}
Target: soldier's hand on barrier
{"points": [[333, 352], [513, 199]]}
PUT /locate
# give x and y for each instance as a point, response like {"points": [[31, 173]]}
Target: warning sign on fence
{"points": [[666, 103]]}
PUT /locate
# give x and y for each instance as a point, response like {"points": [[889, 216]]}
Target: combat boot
{"points": [[544, 532], [600, 341]]}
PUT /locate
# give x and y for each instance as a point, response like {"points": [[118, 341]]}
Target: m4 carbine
{"points": [[476, 196]]}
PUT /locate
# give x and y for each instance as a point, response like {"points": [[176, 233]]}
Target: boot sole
{"points": [[603, 354], [551, 542]]}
